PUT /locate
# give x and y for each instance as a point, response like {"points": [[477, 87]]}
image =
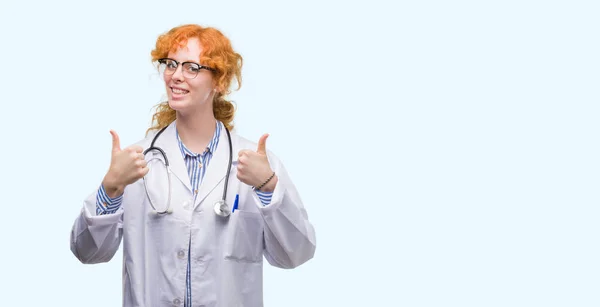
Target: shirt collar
{"points": [[210, 148]]}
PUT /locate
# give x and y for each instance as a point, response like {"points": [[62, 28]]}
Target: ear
{"points": [[217, 89]]}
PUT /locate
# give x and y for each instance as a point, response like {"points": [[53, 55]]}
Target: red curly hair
{"points": [[216, 53]]}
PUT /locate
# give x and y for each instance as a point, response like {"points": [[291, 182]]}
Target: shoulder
{"points": [[242, 142], [147, 139]]}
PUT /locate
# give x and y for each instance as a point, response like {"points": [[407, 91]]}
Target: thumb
{"points": [[116, 144], [262, 144]]}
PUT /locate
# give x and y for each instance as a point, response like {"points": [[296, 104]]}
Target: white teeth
{"points": [[178, 91]]}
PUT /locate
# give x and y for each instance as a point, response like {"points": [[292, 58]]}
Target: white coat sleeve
{"points": [[289, 236], [96, 238]]}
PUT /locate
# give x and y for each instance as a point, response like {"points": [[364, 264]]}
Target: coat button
{"points": [[181, 254], [176, 302]]}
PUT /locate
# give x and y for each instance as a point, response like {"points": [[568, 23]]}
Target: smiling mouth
{"points": [[179, 91]]}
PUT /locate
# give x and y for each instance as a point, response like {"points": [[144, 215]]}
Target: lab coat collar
{"points": [[168, 142], [217, 168]]}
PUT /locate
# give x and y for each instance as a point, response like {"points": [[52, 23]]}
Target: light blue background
{"points": [[446, 151]]}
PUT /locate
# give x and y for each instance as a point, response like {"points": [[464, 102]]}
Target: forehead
{"points": [[190, 50]]}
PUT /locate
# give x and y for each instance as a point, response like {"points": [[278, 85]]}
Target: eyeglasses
{"points": [[190, 69]]}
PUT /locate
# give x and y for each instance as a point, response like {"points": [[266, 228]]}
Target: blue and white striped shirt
{"points": [[196, 166]]}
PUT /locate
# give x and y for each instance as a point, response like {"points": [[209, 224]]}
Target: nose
{"points": [[178, 74]]}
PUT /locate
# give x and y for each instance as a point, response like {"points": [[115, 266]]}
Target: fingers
{"points": [[143, 171], [244, 152], [262, 144], [136, 149], [129, 163], [141, 166], [116, 143], [141, 163], [243, 158], [136, 160]]}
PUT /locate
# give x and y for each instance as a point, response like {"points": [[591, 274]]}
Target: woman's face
{"points": [[186, 92]]}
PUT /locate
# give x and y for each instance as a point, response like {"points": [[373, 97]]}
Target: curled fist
{"points": [[126, 167], [253, 167]]}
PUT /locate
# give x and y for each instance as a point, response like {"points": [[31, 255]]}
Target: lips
{"points": [[179, 91]]}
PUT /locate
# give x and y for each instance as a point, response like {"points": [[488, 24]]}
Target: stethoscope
{"points": [[221, 208]]}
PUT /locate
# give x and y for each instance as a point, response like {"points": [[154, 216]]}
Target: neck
{"points": [[196, 130]]}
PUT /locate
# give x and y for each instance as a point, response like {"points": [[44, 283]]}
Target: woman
{"points": [[198, 253]]}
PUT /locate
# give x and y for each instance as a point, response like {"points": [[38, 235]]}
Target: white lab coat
{"points": [[226, 253]]}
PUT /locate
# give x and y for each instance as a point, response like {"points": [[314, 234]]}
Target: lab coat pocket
{"points": [[244, 240]]}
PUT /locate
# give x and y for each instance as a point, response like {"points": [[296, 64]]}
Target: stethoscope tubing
{"points": [[221, 208]]}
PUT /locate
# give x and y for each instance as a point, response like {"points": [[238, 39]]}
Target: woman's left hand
{"points": [[253, 167]]}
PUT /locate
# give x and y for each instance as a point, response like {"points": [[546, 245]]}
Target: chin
{"points": [[178, 104]]}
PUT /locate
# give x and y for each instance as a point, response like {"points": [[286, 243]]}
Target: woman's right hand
{"points": [[126, 167]]}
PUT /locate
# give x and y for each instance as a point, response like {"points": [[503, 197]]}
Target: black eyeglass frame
{"points": [[194, 64]]}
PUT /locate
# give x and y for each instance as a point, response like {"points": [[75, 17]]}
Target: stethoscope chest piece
{"points": [[221, 208]]}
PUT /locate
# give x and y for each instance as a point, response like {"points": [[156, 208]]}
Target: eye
{"points": [[171, 64], [191, 67]]}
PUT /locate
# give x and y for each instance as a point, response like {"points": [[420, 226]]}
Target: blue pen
{"points": [[235, 203]]}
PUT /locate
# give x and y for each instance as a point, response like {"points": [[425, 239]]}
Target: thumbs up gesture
{"points": [[253, 167], [126, 167]]}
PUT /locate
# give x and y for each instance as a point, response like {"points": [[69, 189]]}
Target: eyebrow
{"points": [[188, 61]]}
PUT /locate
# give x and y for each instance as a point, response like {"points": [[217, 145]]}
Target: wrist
{"points": [[114, 192], [270, 185], [113, 189]]}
